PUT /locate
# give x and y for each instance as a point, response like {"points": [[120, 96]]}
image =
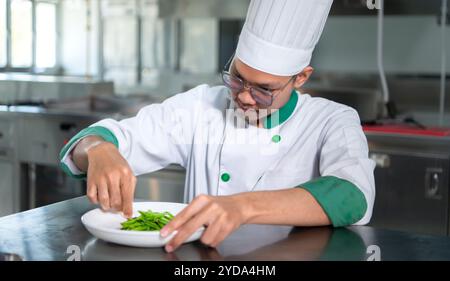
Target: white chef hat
{"points": [[279, 36]]}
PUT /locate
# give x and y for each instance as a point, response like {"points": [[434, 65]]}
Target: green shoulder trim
{"points": [[102, 132], [283, 113], [342, 201]]}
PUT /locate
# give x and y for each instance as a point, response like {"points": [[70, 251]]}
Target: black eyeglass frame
{"points": [[246, 85]]}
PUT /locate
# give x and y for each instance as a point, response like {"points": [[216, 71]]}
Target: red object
{"points": [[408, 130]]}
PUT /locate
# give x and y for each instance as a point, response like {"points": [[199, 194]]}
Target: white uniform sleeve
{"points": [[345, 155], [159, 135], [346, 188]]}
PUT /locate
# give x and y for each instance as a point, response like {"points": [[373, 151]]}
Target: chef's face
{"points": [[244, 100]]}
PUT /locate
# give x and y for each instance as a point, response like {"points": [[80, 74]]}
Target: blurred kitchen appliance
{"points": [[41, 137], [16, 88], [8, 192], [31, 137], [364, 100], [229, 31], [166, 185], [10, 257], [238, 8], [412, 182]]}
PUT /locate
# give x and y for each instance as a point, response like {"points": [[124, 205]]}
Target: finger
{"points": [[91, 193], [211, 233], [115, 195], [184, 232], [187, 213], [127, 188], [103, 196]]}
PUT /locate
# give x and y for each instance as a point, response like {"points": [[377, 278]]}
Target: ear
{"points": [[303, 76]]}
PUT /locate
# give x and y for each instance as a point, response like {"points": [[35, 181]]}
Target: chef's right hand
{"points": [[110, 180]]}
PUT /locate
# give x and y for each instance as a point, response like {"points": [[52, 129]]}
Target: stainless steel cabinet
{"points": [[40, 140], [41, 137], [412, 184], [166, 185], [412, 193], [8, 189], [7, 192]]}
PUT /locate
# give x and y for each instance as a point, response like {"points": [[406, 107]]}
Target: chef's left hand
{"points": [[220, 214]]}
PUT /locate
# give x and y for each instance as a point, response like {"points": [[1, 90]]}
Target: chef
{"points": [[256, 150]]}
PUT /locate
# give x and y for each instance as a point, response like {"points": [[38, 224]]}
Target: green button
{"points": [[225, 177], [276, 138]]}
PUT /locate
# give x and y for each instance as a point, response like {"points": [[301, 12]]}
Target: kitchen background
{"points": [[65, 64]]}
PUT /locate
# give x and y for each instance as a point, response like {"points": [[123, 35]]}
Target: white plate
{"points": [[106, 225]]}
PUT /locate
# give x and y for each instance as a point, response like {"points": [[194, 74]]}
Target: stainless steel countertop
{"points": [[47, 78], [94, 107], [46, 233], [38, 110]]}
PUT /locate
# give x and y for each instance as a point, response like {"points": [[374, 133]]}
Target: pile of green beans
{"points": [[147, 221]]}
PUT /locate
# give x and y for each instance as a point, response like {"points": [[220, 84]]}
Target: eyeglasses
{"points": [[262, 96]]}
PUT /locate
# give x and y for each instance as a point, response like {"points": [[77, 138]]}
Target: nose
{"points": [[246, 98]]}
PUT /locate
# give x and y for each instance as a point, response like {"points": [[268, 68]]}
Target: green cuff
{"points": [[342, 201], [102, 132]]}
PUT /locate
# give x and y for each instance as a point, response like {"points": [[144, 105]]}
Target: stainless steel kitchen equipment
{"points": [[32, 136], [42, 179], [166, 185], [8, 167], [412, 182], [16, 88], [238, 8], [10, 257], [41, 136], [365, 100]]}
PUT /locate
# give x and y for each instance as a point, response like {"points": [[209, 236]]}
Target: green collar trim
{"points": [[283, 113]]}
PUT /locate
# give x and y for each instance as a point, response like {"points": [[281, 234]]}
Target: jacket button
{"points": [[225, 177], [276, 138]]}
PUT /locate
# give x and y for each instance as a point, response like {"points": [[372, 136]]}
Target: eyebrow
{"points": [[264, 85]]}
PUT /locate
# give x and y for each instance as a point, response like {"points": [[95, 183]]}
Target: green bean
{"points": [[147, 221]]}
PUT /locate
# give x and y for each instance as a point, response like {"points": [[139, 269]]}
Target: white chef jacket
{"points": [[310, 142]]}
